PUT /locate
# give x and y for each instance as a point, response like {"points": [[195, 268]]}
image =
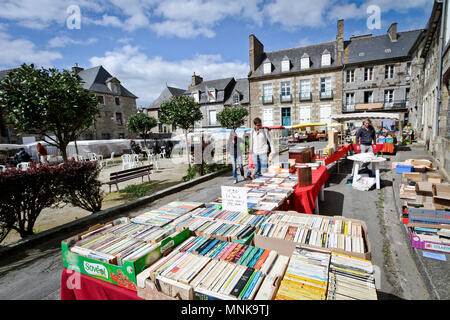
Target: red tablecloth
{"points": [[77, 286], [378, 148], [304, 198], [337, 155]]}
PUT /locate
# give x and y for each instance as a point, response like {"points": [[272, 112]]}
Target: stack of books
{"points": [[205, 269], [316, 231], [166, 214], [351, 279], [306, 276], [229, 216], [107, 247], [206, 227]]}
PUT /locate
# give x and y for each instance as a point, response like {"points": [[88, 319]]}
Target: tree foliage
{"points": [[141, 124], [232, 117], [181, 112], [48, 103]]}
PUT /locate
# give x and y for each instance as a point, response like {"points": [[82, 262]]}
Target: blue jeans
{"points": [[261, 164], [237, 162]]}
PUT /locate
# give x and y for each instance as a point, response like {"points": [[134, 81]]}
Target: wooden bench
{"points": [[129, 174]]}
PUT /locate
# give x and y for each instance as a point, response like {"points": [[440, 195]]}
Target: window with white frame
{"points": [[212, 95], [212, 117], [368, 74], [305, 89], [368, 97], [408, 68], [305, 62], [100, 99], [236, 98], [325, 85], [267, 67], [267, 91], [285, 65], [389, 96], [286, 88], [389, 71], [350, 99], [350, 75], [196, 96], [326, 59]]}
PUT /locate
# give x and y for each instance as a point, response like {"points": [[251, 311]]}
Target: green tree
{"points": [[182, 112], [141, 123], [48, 103], [232, 117]]}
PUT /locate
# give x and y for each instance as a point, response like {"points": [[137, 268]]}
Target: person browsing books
{"points": [[262, 147], [366, 137], [235, 146]]}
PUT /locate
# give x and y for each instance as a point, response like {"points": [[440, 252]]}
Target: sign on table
{"points": [[234, 199]]}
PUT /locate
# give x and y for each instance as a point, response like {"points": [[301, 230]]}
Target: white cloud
{"points": [[59, 42], [146, 76], [17, 51]]}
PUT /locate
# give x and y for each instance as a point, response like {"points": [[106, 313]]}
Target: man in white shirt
{"points": [[262, 147]]}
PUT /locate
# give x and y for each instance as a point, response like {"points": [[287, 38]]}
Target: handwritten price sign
{"points": [[234, 199]]}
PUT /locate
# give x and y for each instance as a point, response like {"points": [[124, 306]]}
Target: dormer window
{"points": [[267, 67], [305, 62], [326, 58], [196, 96], [236, 98], [285, 64], [212, 94]]}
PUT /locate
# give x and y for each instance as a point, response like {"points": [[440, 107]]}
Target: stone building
{"points": [[430, 113], [153, 110], [213, 96], [377, 72], [298, 85], [116, 103]]}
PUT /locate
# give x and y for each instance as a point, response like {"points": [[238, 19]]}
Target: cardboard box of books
{"points": [[412, 176], [434, 178], [125, 258], [441, 195], [430, 237], [337, 234], [203, 268]]}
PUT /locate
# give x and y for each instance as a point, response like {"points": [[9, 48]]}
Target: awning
{"points": [[300, 126], [366, 115]]}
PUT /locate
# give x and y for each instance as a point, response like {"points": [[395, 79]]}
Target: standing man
{"points": [[262, 147], [42, 151], [366, 137], [235, 146]]}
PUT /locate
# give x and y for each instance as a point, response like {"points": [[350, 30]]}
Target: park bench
{"points": [[129, 174]]}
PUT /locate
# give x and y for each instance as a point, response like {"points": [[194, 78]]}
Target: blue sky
{"points": [[148, 43]]}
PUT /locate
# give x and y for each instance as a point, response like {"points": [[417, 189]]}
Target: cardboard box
{"points": [[424, 189], [421, 163], [441, 195], [412, 176], [434, 178], [150, 292], [420, 241], [407, 193], [125, 275], [287, 247]]}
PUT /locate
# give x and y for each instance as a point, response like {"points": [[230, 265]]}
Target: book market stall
{"points": [[261, 241]]}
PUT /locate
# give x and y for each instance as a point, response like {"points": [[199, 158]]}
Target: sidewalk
{"points": [[435, 273]]}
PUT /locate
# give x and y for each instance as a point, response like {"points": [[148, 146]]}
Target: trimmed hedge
{"points": [[24, 194]]}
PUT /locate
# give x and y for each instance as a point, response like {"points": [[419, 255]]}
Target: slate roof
{"points": [[295, 54], [221, 85], [242, 88], [165, 95], [381, 47], [95, 80]]}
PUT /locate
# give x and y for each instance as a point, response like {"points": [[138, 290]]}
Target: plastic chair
{"points": [[110, 159], [23, 166], [2, 168], [126, 161]]}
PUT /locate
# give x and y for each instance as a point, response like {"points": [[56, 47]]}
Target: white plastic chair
{"points": [[136, 161], [110, 159], [23, 166], [94, 157], [2, 168], [126, 161], [162, 153]]}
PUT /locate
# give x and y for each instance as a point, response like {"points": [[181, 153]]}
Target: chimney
{"points": [[340, 41], [196, 80], [77, 69], [392, 32], [256, 52]]}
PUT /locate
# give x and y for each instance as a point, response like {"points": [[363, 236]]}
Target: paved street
{"points": [[35, 274]]}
